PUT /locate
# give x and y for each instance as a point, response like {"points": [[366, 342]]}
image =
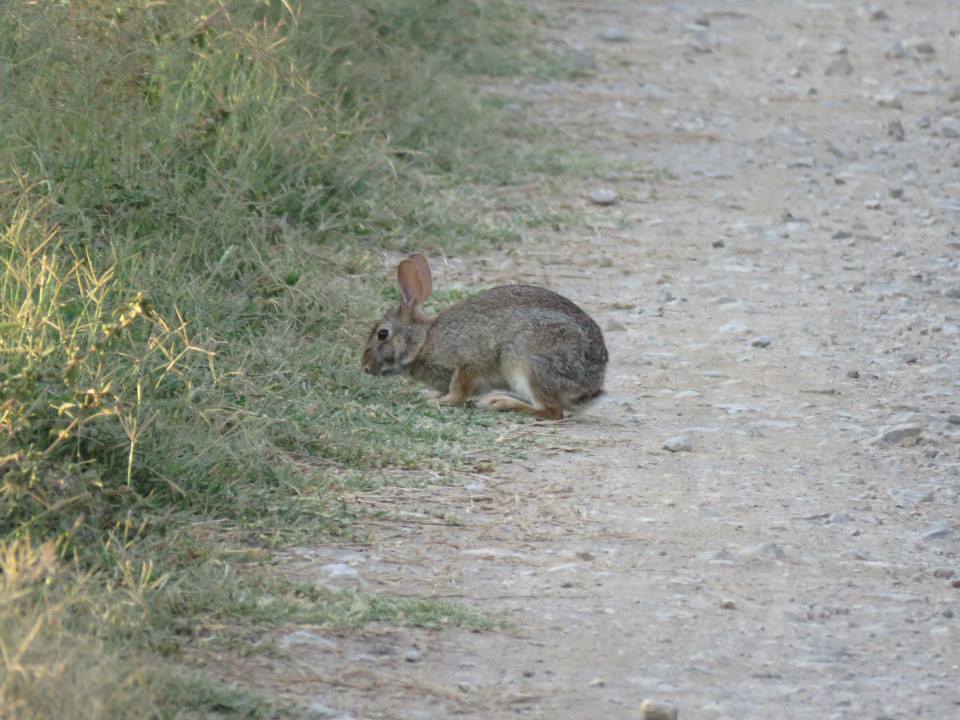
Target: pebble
{"points": [[319, 709], [897, 434], [910, 497], [839, 517], [889, 101], [950, 127], [896, 193], [839, 66], [680, 443], [614, 34], [909, 358], [737, 327], [413, 655], [603, 196], [921, 47], [657, 710], [728, 605], [761, 341], [953, 419], [853, 374], [953, 292], [878, 14], [938, 531], [894, 128], [767, 549], [897, 51]]}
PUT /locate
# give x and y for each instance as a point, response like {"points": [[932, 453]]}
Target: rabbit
{"points": [[547, 352]]}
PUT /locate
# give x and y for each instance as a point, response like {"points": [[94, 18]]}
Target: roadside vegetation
{"points": [[194, 201]]}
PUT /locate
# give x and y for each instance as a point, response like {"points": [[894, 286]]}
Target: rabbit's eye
{"points": [[383, 334]]}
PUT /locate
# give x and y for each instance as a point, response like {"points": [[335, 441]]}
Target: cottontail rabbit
{"points": [[548, 353]]}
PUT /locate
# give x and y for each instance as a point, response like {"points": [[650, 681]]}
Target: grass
{"points": [[195, 198]]}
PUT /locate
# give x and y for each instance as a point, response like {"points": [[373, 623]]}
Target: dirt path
{"points": [[788, 566]]}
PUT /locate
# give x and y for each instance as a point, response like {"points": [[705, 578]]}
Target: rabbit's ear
{"points": [[426, 278], [411, 286]]}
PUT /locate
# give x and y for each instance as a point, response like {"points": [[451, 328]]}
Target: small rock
{"points": [[718, 244], [943, 573], [603, 196], [598, 682], [853, 374], [614, 34], [937, 531], [950, 127], [872, 204], [319, 709], [761, 341], [911, 497], [948, 613], [657, 710], [896, 193], [737, 327], [890, 101], [767, 549], [615, 326], [840, 65], [897, 435], [839, 517], [877, 14], [680, 443], [728, 605], [953, 94], [413, 655], [894, 128], [922, 47], [953, 419], [909, 358], [953, 293], [842, 235], [897, 51]]}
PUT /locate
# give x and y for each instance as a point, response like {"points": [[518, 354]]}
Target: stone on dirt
{"points": [[897, 434], [839, 66], [766, 549], [939, 530], [603, 196], [658, 710], [761, 341], [679, 443], [614, 34]]}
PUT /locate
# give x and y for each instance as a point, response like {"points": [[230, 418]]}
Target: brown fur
{"points": [[533, 342]]}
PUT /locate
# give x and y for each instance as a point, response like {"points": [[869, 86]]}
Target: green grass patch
{"points": [[195, 198]]}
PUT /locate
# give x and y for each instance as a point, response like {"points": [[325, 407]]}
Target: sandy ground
{"points": [[779, 281]]}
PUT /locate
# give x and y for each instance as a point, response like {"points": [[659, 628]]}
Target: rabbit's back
{"points": [[504, 330]]}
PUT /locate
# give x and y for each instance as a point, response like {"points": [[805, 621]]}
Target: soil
{"points": [[778, 280]]}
